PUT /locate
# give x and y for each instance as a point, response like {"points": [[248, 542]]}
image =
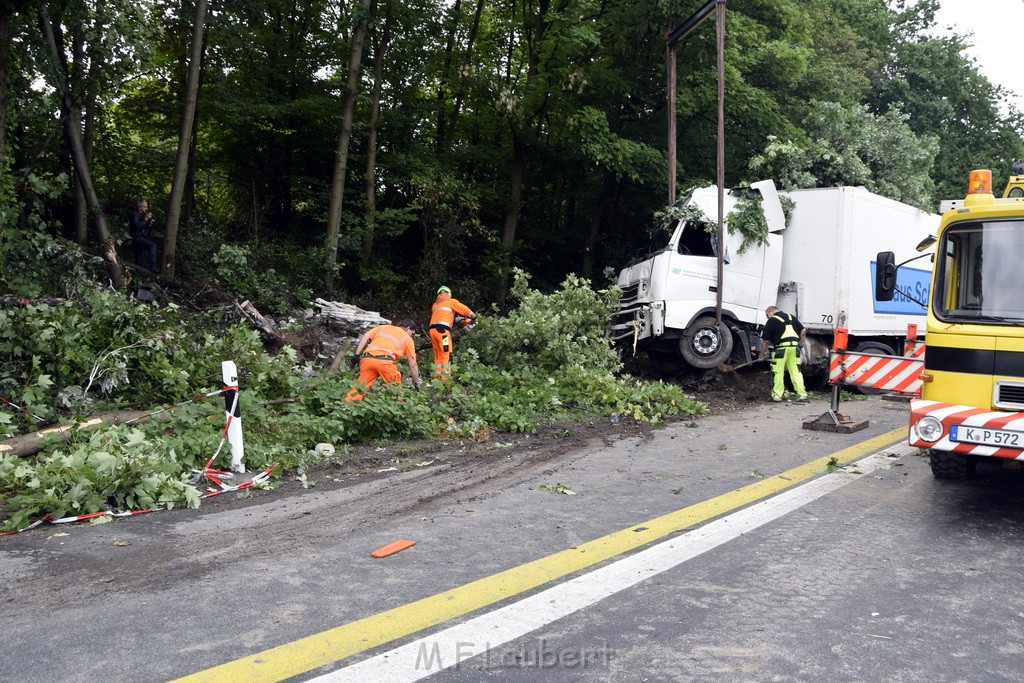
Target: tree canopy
{"points": [[483, 135]]}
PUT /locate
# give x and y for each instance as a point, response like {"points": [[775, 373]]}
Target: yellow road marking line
{"points": [[305, 654]]}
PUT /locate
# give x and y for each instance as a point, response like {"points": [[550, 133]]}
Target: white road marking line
{"points": [[455, 645]]}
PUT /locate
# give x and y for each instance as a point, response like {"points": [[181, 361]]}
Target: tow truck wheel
{"points": [[952, 465], [706, 345]]}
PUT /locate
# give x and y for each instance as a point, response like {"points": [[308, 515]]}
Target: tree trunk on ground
{"points": [[29, 444], [109, 252], [344, 137], [184, 142], [380, 49]]}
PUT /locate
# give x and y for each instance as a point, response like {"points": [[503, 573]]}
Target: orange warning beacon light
{"points": [[980, 182], [392, 548]]}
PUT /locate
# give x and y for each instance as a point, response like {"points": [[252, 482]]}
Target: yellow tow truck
{"points": [[972, 397]]}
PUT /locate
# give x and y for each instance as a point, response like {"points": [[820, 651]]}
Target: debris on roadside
{"points": [[557, 488], [392, 548]]}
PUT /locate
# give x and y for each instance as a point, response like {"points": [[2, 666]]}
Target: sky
{"points": [[998, 28]]}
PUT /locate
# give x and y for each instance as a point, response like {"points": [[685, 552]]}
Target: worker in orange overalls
{"points": [[380, 349], [442, 318]]}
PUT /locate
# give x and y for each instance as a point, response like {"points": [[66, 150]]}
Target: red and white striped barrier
{"points": [[983, 423], [871, 371], [878, 371]]}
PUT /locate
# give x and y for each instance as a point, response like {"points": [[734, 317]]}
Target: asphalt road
{"points": [[713, 549]]}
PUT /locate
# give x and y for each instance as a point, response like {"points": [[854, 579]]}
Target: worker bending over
{"points": [[442, 318], [380, 348], [786, 334]]}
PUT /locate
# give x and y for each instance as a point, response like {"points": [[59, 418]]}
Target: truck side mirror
{"points": [[885, 276]]}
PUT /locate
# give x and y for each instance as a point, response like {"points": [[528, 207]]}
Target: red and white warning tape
{"points": [[177, 405], [103, 513], [20, 409], [208, 472], [251, 483], [33, 525], [260, 478]]}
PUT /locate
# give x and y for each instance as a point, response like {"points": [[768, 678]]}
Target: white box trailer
{"points": [[818, 266]]}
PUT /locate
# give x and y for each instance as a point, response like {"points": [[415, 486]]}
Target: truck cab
{"points": [[669, 298], [815, 263], [972, 397]]}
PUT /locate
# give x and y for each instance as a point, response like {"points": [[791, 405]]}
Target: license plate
{"points": [[986, 437]]}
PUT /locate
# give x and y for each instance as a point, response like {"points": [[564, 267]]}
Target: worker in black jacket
{"points": [[141, 223], [786, 334]]}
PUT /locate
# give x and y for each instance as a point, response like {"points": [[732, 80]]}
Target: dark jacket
{"points": [[139, 225]]}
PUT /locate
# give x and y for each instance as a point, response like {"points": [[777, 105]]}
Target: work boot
{"points": [[777, 399], [803, 399]]}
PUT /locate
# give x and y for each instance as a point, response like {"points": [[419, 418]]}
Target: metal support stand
{"points": [[834, 421]]}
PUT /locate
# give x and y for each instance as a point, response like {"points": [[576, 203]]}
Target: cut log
{"points": [[266, 328], [29, 444], [349, 318]]}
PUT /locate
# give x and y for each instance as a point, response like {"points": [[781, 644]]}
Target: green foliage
{"points": [[667, 218], [110, 469], [624, 157], [32, 264], [851, 146], [103, 346], [265, 287], [549, 332], [748, 220], [547, 360]]}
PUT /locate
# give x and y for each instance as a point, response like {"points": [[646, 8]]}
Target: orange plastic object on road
{"points": [[392, 548]]}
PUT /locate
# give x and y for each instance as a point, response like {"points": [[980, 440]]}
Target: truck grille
{"points": [[626, 322], [1009, 395], [630, 295]]}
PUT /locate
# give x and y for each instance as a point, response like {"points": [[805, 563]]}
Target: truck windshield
{"points": [[979, 273]]}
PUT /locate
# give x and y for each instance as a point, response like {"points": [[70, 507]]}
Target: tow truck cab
{"points": [[972, 398]]}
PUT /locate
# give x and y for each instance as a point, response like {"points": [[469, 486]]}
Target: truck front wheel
{"points": [[952, 465], [706, 344]]}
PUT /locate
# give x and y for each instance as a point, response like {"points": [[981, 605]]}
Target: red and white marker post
{"points": [[233, 415]]}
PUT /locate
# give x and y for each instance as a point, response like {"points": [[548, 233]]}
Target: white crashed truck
{"points": [[819, 266]]}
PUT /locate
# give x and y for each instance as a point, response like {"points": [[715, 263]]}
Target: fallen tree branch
{"points": [[266, 328], [31, 443]]}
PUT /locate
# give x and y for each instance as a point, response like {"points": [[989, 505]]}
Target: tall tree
{"points": [[344, 138], [82, 171], [931, 79], [184, 141], [6, 15], [380, 43]]}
